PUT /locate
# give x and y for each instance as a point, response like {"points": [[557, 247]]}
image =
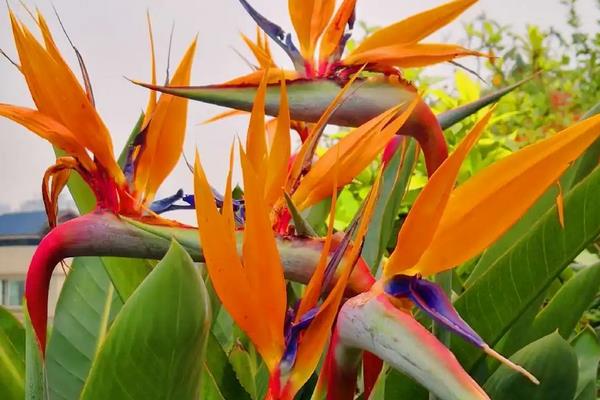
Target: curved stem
{"points": [[106, 234]]}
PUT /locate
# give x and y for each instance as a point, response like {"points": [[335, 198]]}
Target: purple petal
{"points": [[292, 339], [432, 300]]}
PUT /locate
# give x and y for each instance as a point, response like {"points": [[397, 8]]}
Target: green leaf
{"points": [[562, 313], [512, 283], [83, 314], [244, 368], [581, 168], [219, 380], [551, 360], [451, 117], [35, 375], [126, 274], [378, 392], [568, 304], [155, 347], [395, 181], [400, 386], [587, 349], [12, 357]]}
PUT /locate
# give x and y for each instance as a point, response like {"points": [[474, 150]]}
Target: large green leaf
{"points": [[244, 368], [587, 348], [551, 360], [512, 283], [219, 380], [582, 167], [561, 314], [586, 163], [83, 313], [400, 386], [35, 374], [155, 347], [12, 357], [568, 305], [126, 274]]}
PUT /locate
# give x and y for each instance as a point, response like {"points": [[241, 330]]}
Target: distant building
{"points": [[20, 234]]}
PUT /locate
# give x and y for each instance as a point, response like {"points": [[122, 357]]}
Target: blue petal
{"points": [[432, 300], [163, 205], [275, 32], [292, 339]]}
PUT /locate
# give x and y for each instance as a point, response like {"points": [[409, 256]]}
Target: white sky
{"points": [[112, 36]]}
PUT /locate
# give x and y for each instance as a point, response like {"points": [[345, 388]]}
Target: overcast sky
{"points": [[112, 36]]}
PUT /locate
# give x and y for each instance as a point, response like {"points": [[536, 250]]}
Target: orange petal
{"points": [[304, 156], [314, 339], [335, 31], [262, 263], [264, 59], [255, 77], [164, 135], [488, 204], [356, 151], [417, 27], [256, 141], [309, 18], [228, 276], [50, 130], [411, 56], [57, 93], [423, 219], [313, 289], [223, 115], [280, 151]]}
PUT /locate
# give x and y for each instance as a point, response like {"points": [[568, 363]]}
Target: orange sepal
{"points": [[235, 283], [49, 129], [260, 53], [280, 150], [414, 28], [314, 339], [165, 134], [423, 219], [334, 32], [57, 93], [488, 204], [256, 140], [411, 56], [309, 18], [255, 77], [356, 150]]}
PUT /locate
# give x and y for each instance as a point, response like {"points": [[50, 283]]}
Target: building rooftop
{"points": [[29, 223], [27, 227]]}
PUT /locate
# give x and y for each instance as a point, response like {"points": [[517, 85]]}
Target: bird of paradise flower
{"points": [[316, 80], [66, 117], [429, 241]]}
